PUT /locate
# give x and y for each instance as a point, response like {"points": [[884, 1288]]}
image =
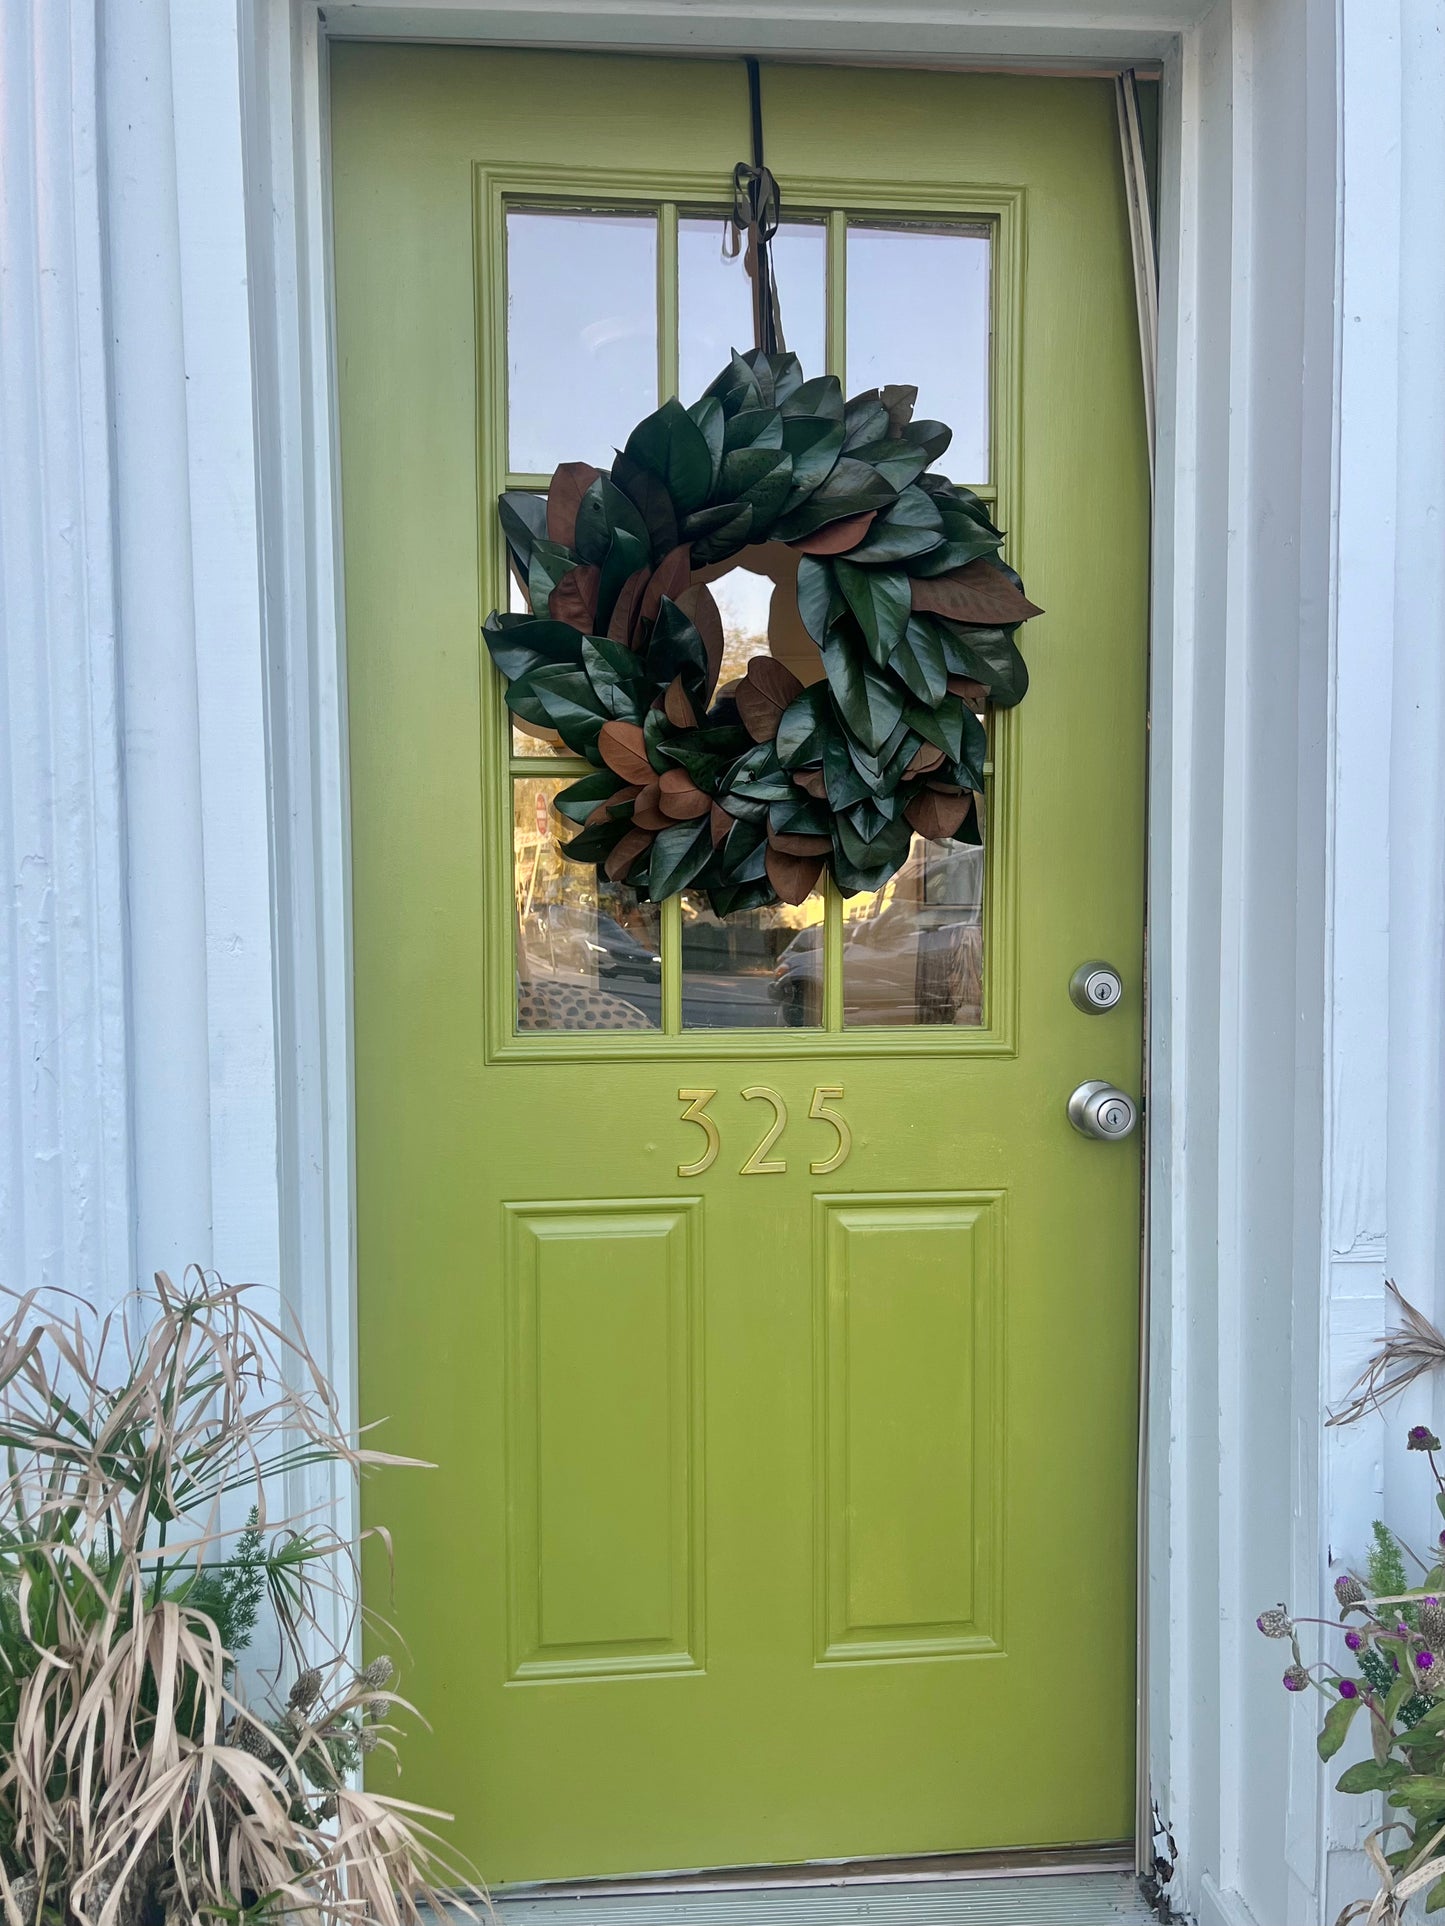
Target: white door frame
{"points": [[184, 1071]]}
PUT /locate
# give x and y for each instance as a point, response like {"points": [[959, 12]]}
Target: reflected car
{"points": [[583, 941], [896, 970]]}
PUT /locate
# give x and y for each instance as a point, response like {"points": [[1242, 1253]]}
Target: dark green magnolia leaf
{"points": [[708, 415], [989, 656], [580, 798], [726, 537], [595, 845], [626, 554], [804, 727], [737, 902], [822, 396], [758, 777], [787, 376], [820, 600], [684, 753], [754, 428], [619, 677], [656, 730], [762, 368], [676, 648], [550, 562], [800, 816], [566, 702], [737, 387], [518, 643], [677, 856], [910, 528], [840, 774], [898, 462], [956, 554], [602, 512], [759, 479], [650, 498], [918, 662], [855, 882], [744, 852], [524, 522], [851, 488], [815, 444], [941, 725], [865, 420], [880, 599], [889, 848], [931, 436], [670, 445], [869, 703], [1336, 1726]]}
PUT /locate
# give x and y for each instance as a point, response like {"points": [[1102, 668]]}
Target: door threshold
{"points": [[924, 1869]]}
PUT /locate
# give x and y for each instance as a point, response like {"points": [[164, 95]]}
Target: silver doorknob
{"points": [[1102, 1110], [1095, 987]]}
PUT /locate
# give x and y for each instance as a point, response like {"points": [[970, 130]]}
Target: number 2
{"points": [[760, 1164], [821, 1113], [695, 1099]]}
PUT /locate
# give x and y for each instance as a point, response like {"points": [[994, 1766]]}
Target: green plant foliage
{"points": [[1390, 1688], [899, 584]]}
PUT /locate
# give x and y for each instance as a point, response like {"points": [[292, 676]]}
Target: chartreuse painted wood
{"points": [[779, 1516]]}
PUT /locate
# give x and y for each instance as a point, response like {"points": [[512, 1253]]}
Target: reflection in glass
{"points": [[715, 298], [589, 954], [756, 592], [913, 950], [756, 969], [918, 311], [581, 334]]}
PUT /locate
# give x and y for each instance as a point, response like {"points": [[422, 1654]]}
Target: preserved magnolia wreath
{"points": [[750, 790]]}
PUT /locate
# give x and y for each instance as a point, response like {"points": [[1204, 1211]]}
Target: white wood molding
{"points": [[65, 1171]]}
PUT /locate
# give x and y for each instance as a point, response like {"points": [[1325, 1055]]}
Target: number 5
{"points": [[820, 1111], [696, 1114]]}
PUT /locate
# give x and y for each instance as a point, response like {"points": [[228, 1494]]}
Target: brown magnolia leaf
{"points": [[975, 694], [676, 706], [799, 845], [938, 816], [837, 537], [978, 593], [627, 609], [763, 694], [700, 609], [811, 782], [899, 399], [719, 824], [793, 877], [927, 756], [623, 748], [574, 599], [626, 853], [680, 797], [669, 578], [647, 810], [570, 482], [603, 812]]}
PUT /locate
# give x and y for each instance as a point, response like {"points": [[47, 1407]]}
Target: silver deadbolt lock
{"points": [[1104, 1111], [1095, 987]]}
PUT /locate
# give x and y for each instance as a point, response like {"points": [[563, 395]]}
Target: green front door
{"points": [[773, 1334]]}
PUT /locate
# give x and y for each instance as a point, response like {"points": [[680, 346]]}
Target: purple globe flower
{"points": [[1354, 1641], [1421, 1438], [1296, 1679], [1348, 1689], [1424, 1660], [1403, 1629]]}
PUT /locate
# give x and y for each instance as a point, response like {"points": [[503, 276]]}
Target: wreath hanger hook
{"points": [[755, 213]]}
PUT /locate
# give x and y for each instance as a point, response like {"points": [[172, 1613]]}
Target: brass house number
{"points": [[761, 1162]]}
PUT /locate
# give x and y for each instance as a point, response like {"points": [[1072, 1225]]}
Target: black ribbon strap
{"points": [[755, 213]]}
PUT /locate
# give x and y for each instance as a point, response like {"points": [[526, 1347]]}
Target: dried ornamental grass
{"points": [[137, 1785]]}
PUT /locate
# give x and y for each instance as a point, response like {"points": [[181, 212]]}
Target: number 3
{"points": [[696, 1114], [822, 1114]]}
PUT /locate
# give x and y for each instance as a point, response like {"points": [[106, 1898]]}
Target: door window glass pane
{"points": [[581, 334], [756, 592], [913, 950], [715, 298], [918, 311], [756, 969], [589, 954]]}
